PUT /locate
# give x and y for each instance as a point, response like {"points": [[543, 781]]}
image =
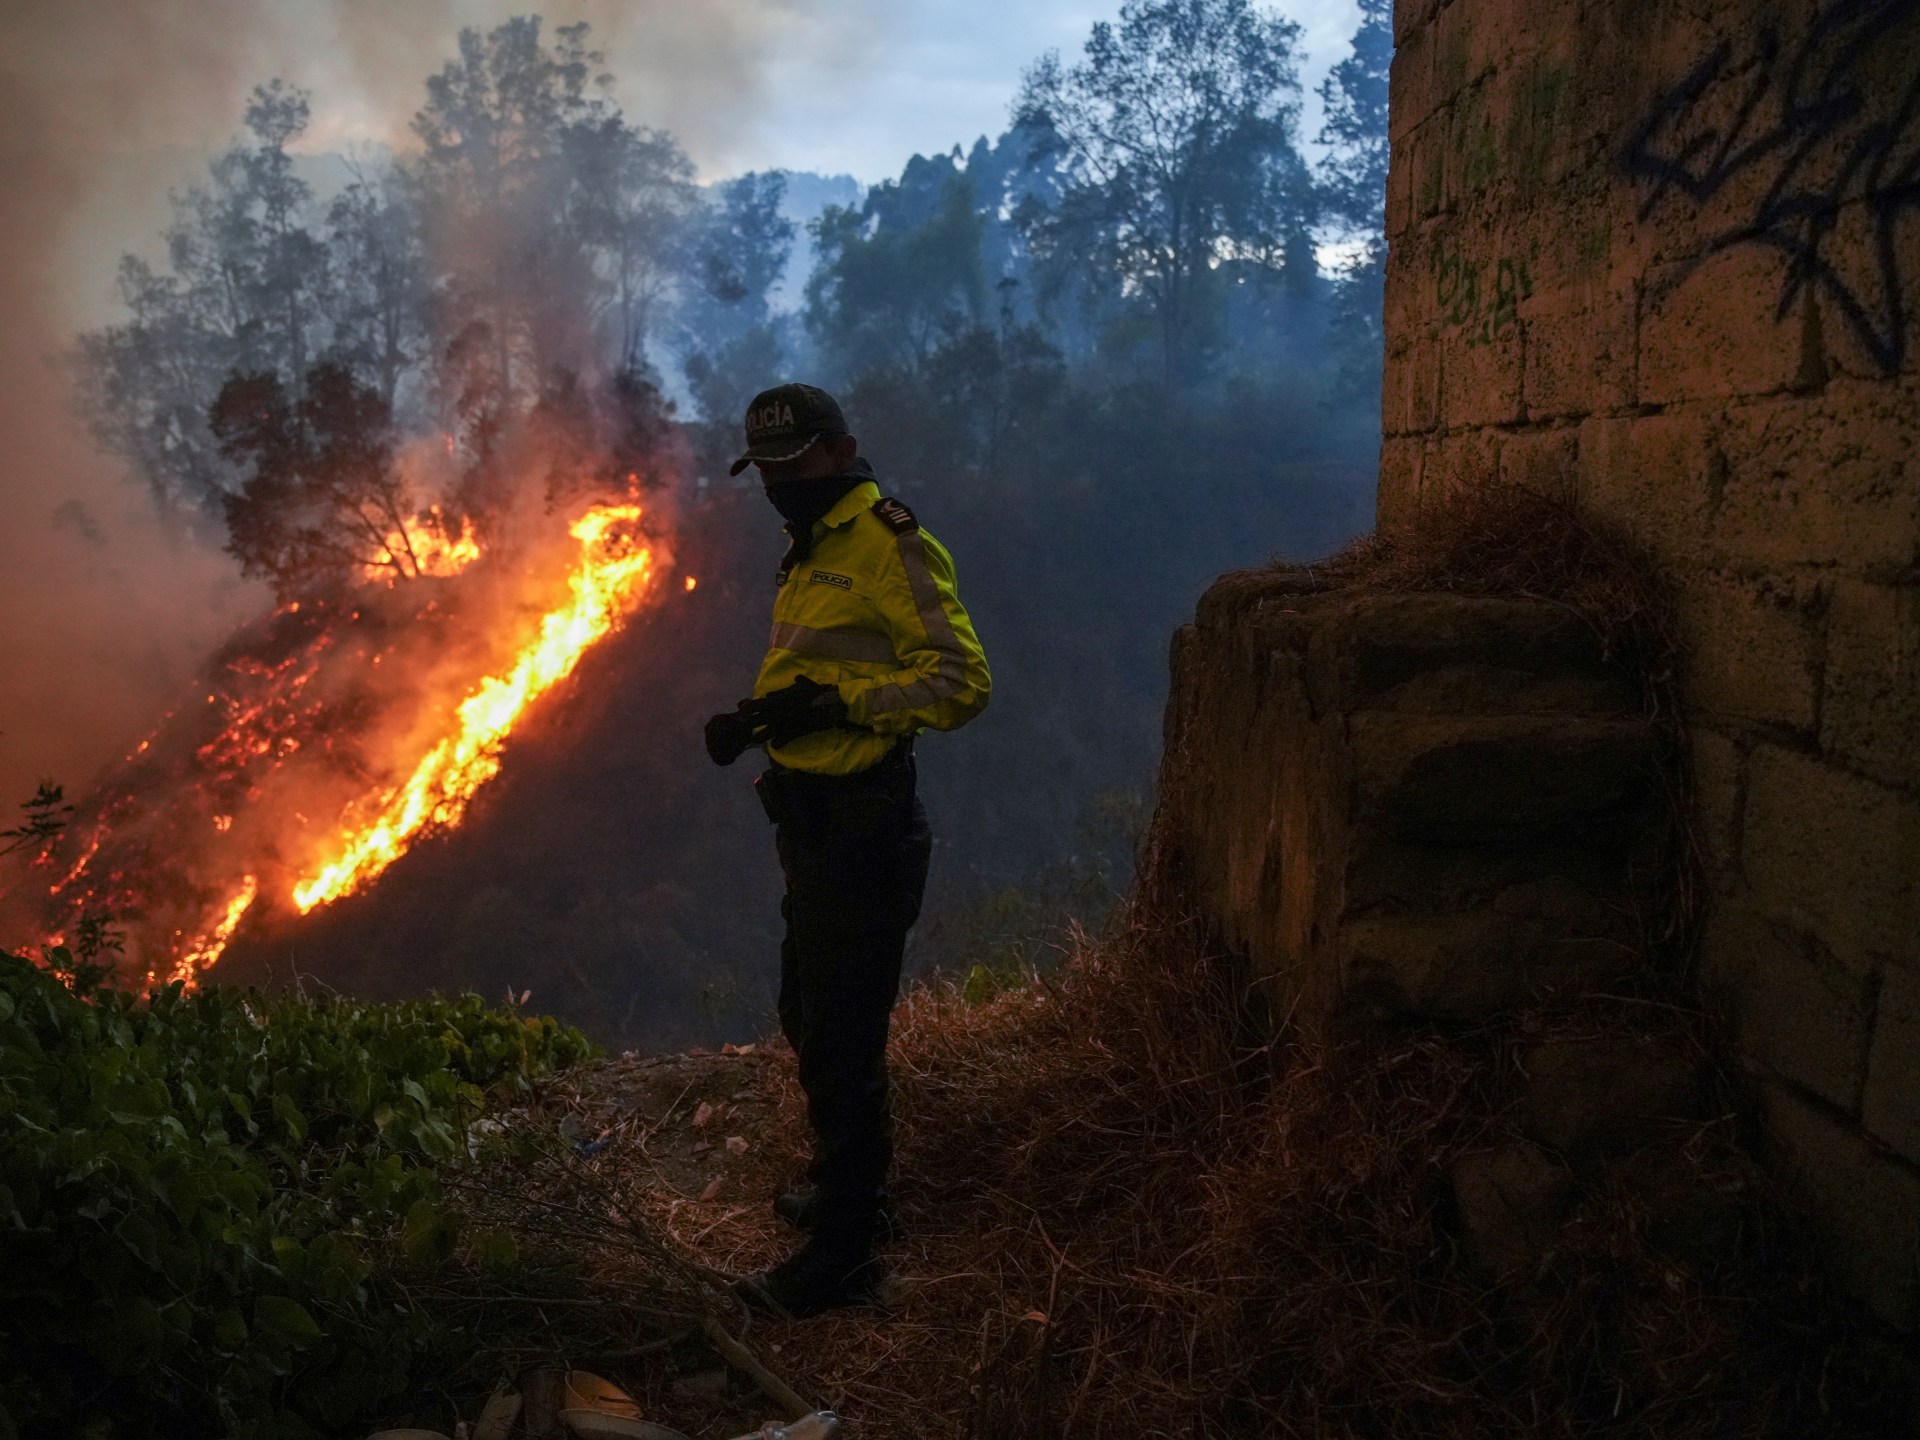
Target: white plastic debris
{"points": [[820, 1425]]}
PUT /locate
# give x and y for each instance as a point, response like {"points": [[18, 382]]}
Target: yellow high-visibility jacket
{"points": [[872, 610]]}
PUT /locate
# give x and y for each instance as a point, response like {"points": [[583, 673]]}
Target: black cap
{"points": [[783, 423]]}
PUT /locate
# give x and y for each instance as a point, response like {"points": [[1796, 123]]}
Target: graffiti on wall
{"points": [[1812, 127], [1480, 296]]}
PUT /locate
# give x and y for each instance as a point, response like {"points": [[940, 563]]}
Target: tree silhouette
{"points": [[1177, 134], [321, 499]]}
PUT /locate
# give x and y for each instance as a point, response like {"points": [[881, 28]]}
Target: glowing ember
{"points": [[425, 548], [204, 951], [609, 580], [691, 582]]}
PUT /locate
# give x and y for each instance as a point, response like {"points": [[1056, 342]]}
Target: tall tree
{"points": [[245, 287], [1355, 132], [888, 294], [1354, 176], [729, 342], [634, 202], [322, 498], [380, 291], [1177, 132], [517, 290]]}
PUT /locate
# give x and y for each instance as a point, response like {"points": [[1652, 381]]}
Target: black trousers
{"points": [[854, 849]]}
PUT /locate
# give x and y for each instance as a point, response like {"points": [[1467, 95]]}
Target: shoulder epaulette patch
{"points": [[895, 516]]}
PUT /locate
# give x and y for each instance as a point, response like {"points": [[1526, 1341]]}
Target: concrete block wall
{"points": [[1664, 256]]}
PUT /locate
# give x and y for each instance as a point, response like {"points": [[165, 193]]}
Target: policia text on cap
{"points": [[870, 645]]}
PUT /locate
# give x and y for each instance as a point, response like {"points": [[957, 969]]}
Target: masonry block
{"points": [[1607, 1094], [1400, 479], [1866, 1204], [1412, 16], [1796, 1009], [1753, 646], [1509, 1201], [1402, 467], [1580, 362], [1480, 377], [1653, 476], [1410, 389], [1458, 462], [1827, 479], [1870, 708], [1544, 461], [1718, 772], [1832, 853], [1400, 804], [1890, 1107], [1412, 96], [1402, 310], [1706, 332], [1426, 152]]}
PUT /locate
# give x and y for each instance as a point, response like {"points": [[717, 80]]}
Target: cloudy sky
{"points": [[851, 86], [933, 72]]}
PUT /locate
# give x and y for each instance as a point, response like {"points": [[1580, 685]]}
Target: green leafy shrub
{"points": [[193, 1190]]}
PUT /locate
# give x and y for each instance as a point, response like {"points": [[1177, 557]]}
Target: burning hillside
{"points": [[332, 735]]}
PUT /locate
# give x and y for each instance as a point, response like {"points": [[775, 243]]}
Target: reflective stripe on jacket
{"points": [[872, 609]]}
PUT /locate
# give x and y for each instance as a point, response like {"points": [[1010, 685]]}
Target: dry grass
{"points": [[1494, 539], [1233, 1242]]}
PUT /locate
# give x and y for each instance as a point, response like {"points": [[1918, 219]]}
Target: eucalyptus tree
{"points": [[245, 286], [1176, 133]]}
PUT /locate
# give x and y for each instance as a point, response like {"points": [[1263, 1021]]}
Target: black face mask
{"points": [[804, 503]]}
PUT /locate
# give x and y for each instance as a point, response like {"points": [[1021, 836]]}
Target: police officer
{"points": [[870, 645]]}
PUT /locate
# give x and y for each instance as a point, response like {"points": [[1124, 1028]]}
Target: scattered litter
{"points": [[701, 1147], [736, 1049], [820, 1425], [592, 1147], [736, 1144], [713, 1188], [497, 1416], [702, 1114], [589, 1426]]}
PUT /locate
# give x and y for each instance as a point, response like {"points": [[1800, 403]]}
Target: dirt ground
{"points": [[699, 1144]]}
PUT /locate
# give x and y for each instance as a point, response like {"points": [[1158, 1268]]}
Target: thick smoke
{"points": [[107, 107]]}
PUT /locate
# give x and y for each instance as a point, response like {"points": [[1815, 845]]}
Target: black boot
{"points": [[836, 1267], [801, 1209]]}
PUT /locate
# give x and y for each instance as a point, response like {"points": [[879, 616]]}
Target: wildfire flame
{"points": [[609, 580], [218, 790], [204, 951], [426, 548]]}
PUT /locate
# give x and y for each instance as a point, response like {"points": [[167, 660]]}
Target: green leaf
{"points": [[229, 1330], [288, 1114], [428, 1234], [287, 1318], [496, 1248], [289, 1256], [141, 1329]]}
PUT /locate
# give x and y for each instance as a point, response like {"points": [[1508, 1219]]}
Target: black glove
{"points": [[727, 736], [801, 708]]}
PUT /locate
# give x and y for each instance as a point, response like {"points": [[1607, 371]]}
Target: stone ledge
{"points": [[1866, 1204], [1422, 804]]}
